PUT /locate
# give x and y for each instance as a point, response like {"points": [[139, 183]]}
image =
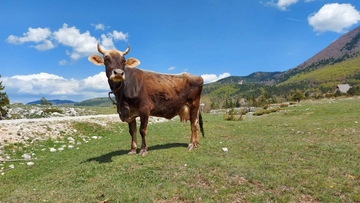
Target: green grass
{"points": [[305, 153]]}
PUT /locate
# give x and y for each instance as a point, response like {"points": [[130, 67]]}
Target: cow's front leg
{"points": [[143, 130], [194, 140], [132, 131]]}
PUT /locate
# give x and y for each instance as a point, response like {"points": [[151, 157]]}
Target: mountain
{"points": [[342, 49], [101, 101], [266, 78], [54, 102], [337, 63]]}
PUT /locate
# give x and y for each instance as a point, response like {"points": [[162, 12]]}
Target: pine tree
{"points": [[44, 101], [4, 100]]}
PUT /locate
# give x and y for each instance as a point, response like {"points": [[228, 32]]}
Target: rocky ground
{"points": [[23, 130], [29, 130]]}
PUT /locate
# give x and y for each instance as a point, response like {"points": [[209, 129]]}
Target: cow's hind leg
{"points": [[132, 131], [194, 140], [143, 130]]}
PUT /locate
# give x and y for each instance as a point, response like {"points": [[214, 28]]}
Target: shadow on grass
{"points": [[106, 158]]}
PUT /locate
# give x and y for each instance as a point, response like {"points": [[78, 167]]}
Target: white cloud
{"points": [[21, 87], [63, 62], [81, 44], [334, 17], [119, 35], [99, 26], [41, 83], [107, 42], [171, 68], [209, 78], [283, 4], [33, 35], [96, 82], [46, 45]]}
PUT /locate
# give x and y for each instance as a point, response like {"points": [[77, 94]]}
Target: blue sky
{"points": [[45, 44]]}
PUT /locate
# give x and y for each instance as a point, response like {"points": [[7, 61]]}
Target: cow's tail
{"points": [[201, 124]]}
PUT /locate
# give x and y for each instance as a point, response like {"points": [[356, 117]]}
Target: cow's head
{"points": [[114, 62]]}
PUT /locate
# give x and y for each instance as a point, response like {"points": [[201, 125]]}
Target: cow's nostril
{"points": [[122, 73]]}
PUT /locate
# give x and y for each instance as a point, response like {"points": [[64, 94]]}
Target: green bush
{"points": [[266, 111], [233, 115]]}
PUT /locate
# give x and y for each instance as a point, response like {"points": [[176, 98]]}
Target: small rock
{"points": [[26, 156], [52, 150], [225, 149], [12, 166], [30, 163], [71, 147], [70, 139]]}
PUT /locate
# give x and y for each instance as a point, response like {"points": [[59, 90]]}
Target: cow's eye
{"points": [[107, 59]]}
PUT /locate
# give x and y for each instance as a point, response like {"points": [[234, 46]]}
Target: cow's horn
{"points": [[127, 50], [99, 49]]}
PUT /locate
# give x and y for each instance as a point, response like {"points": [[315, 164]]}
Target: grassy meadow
{"points": [[309, 152]]}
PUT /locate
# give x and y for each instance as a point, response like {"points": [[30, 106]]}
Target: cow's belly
{"points": [[170, 113]]}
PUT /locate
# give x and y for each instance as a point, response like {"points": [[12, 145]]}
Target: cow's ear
{"points": [[132, 62], [97, 60]]}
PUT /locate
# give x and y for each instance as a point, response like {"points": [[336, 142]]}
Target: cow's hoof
{"points": [[133, 151], [191, 146], [143, 152]]}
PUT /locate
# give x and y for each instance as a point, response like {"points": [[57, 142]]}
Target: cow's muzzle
{"points": [[117, 75]]}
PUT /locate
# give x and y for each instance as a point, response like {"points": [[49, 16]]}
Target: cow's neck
{"points": [[115, 90]]}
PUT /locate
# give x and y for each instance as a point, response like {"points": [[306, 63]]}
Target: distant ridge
{"points": [[338, 63], [344, 48], [100, 101], [54, 102]]}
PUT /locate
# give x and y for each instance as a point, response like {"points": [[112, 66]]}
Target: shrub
{"points": [[232, 115], [284, 105], [266, 111]]}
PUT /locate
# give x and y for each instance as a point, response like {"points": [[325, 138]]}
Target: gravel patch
{"points": [[31, 130]]}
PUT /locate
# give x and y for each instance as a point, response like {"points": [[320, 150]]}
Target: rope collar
{"points": [[113, 92]]}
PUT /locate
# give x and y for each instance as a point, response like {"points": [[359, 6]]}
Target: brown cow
{"points": [[142, 94]]}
